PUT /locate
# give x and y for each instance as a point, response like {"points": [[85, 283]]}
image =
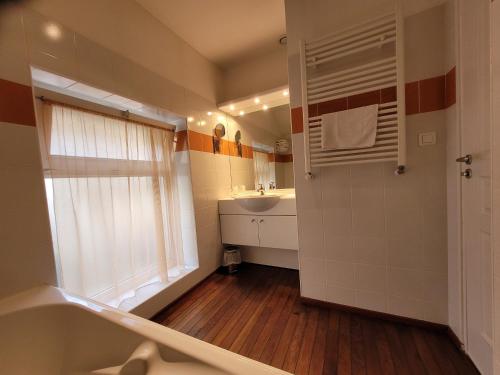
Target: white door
{"points": [[278, 232], [474, 114], [239, 230]]}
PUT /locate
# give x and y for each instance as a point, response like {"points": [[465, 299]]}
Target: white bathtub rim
{"points": [[46, 296]]}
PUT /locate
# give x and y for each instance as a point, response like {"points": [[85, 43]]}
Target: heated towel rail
{"points": [[358, 66]]}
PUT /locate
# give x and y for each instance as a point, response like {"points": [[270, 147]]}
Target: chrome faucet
{"points": [[260, 189], [272, 186]]}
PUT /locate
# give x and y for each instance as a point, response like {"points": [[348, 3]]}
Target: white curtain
{"points": [[264, 169], [113, 202]]}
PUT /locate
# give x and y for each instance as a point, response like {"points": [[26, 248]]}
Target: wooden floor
{"points": [[258, 313]]}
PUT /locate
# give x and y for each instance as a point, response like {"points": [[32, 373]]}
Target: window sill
{"points": [[130, 300]]}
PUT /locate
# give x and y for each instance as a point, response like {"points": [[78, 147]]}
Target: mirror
{"points": [[263, 150], [219, 132]]}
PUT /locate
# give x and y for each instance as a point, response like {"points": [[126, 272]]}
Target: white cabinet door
{"points": [[239, 230], [278, 232]]}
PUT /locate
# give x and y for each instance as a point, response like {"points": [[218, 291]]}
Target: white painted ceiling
{"points": [[224, 31], [229, 31], [415, 6]]}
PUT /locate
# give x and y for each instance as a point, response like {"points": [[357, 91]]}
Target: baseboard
{"points": [[376, 314], [456, 341], [460, 346]]}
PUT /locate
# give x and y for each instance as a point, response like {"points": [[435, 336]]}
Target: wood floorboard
{"points": [[258, 313], [358, 354], [268, 338], [373, 364], [344, 362], [308, 337], [383, 349], [332, 344]]}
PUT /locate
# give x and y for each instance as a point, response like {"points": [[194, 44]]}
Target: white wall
{"points": [[127, 29], [368, 238], [152, 66], [26, 257], [453, 182]]}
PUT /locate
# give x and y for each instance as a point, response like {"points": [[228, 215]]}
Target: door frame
{"points": [[463, 272]]}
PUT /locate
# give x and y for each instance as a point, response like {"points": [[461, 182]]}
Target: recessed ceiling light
{"points": [[190, 119], [256, 100], [285, 93], [242, 113], [209, 113], [53, 31], [231, 107], [265, 107]]}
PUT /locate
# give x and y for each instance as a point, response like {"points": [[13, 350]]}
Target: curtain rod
{"points": [[124, 116]]}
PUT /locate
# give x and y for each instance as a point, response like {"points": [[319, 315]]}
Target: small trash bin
{"points": [[232, 259]]}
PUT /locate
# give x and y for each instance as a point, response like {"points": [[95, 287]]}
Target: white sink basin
{"points": [[258, 203]]}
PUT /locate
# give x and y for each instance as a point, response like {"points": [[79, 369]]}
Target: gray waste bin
{"points": [[232, 259]]}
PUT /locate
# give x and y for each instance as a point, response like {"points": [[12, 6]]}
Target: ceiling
{"points": [[230, 31], [411, 6], [223, 31]]}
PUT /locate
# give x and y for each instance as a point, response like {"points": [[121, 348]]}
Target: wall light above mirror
{"points": [[254, 103]]}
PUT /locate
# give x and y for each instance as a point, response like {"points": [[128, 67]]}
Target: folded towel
{"points": [[354, 128]]}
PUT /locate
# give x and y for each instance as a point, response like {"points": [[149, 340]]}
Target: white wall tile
{"points": [[339, 248], [371, 278], [340, 273], [312, 271], [405, 252], [368, 197], [368, 222], [370, 250], [392, 229], [310, 224], [411, 308], [370, 300], [313, 290], [340, 295], [434, 286], [337, 222], [404, 282]]}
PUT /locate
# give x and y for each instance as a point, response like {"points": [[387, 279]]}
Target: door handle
{"points": [[261, 220], [467, 173], [253, 221], [467, 159]]}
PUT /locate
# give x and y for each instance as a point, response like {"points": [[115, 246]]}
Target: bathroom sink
{"points": [[257, 202]]}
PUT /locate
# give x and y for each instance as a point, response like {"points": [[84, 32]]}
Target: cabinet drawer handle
{"points": [[253, 221], [261, 220]]}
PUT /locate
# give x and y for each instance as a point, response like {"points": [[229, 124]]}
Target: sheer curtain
{"points": [[264, 169], [113, 203]]}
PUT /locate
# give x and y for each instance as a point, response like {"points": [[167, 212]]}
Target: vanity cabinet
{"points": [[263, 231], [240, 229]]}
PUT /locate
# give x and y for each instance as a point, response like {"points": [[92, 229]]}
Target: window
{"points": [[113, 203]]}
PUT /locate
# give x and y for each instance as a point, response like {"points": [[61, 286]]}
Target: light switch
{"points": [[427, 139]]}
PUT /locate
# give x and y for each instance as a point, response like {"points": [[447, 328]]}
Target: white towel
{"points": [[354, 128]]}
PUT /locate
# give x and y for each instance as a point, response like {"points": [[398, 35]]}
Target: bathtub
{"points": [[46, 330]]}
